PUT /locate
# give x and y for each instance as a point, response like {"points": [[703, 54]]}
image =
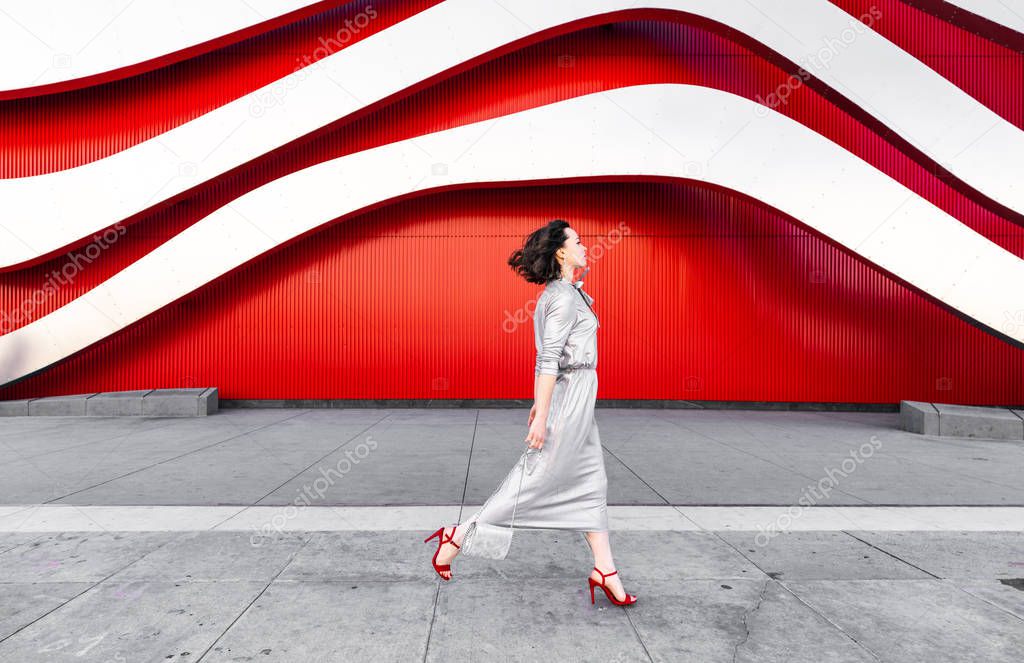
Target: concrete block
{"points": [[59, 406], [116, 403], [180, 402], [209, 401], [992, 423], [14, 408], [918, 417]]}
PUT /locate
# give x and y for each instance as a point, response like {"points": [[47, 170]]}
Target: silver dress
{"points": [[567, 487]]}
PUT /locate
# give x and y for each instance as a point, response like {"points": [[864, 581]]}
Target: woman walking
{"points": [[566, 487]]}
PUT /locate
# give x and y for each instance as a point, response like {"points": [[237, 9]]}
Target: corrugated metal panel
{"points": [[709, 297], [988, 71], [58, 131]]}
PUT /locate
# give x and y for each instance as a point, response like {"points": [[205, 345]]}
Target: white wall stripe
{"points": [[663, 130], [46, 212], [1008, 13], [271, 520], [61, 40]]}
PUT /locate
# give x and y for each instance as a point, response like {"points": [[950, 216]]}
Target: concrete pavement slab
{"points": [[402, 464], [355, 556], [268, 520], [818, 556], [908, 621], [216, 556], [11, 540], [332, 621], [73, 518], [500, 620], [229, 468], [22, 603], [77, 556], [955, 554], [754, 621], [133, 621], [1007, 595], [674, 556], [697, 457]]}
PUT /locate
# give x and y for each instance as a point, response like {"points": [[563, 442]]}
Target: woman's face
{"points": [[574, 253]]}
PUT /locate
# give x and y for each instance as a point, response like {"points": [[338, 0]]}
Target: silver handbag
{"points": [[494, 541]]}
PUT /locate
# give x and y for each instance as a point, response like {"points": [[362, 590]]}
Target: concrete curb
{"points": [[140, 403], [962, 421]]}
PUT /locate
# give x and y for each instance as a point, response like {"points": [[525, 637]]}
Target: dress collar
{"points": [[579, 285]]}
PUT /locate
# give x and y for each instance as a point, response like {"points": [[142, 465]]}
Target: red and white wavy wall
{"points": [[783, 200]]}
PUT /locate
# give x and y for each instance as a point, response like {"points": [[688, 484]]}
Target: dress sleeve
{"points": [[555, 324]]}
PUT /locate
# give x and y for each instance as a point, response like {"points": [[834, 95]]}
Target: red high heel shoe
{"points": [[629, 600], [441, 541]]}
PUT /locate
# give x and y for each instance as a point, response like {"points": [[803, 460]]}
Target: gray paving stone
{"points": [[216, 556], [753, 621], [487, 620], [818, 555], [430, 460], [983, 422], [955, 554], [701, 458], [240, 469], [134, 621], [116, 403], [909, 621], [332, 621], [23, 603], [77, 556], [674, 556], [918, 417], [378, 556], [1009, 597], [11, 540]]}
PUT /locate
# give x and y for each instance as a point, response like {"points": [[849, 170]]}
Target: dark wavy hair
{"points": [[536, 261]]}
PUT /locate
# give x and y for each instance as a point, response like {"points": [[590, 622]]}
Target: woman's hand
{"points": [[538, 429]]}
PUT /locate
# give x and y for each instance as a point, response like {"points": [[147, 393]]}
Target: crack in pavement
{"points": [[746, 626]]}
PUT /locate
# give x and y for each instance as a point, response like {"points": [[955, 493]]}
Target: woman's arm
{"points": [[556, 323], [543, 387]]}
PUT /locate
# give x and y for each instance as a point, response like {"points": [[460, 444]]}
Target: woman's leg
{"points": [[602, 549]]}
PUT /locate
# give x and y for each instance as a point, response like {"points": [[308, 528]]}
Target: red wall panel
{"points": [[709, 296]]}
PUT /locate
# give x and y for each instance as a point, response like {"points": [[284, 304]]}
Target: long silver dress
{"points": [[567, 488]]}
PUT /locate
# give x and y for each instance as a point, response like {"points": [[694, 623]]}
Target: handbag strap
{"points": [[511, 525]]}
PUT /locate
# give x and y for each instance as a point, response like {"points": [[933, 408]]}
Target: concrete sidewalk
{"points": [[429, 457], [169, 539]]}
